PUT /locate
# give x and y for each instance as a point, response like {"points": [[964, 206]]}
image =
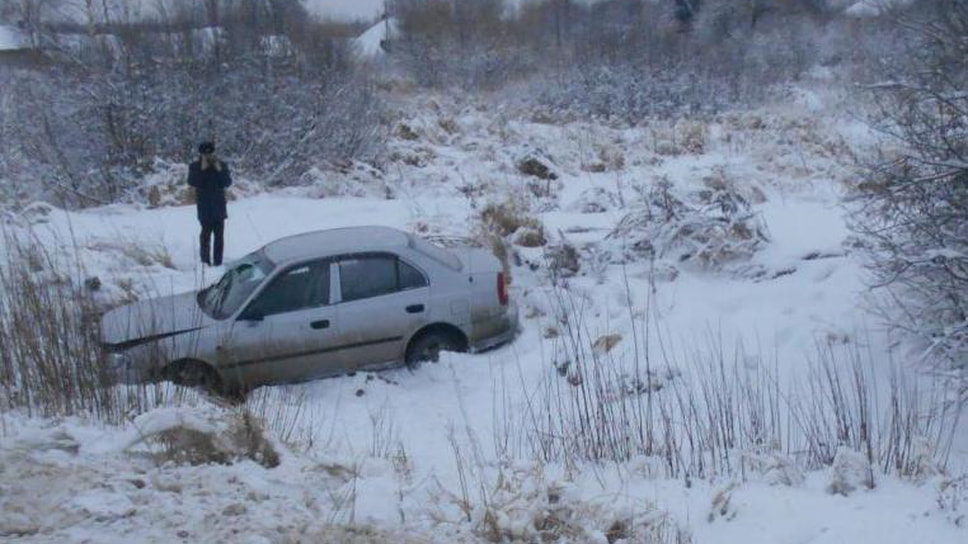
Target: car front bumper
{"points": [[124, 367]]}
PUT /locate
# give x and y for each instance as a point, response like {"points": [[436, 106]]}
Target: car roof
{"points": [[325, 243]]}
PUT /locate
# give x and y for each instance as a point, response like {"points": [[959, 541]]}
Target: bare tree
{"points": [[30, 15], [914, 207], [280, 95]]}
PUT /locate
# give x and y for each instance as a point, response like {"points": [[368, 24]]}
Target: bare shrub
{"points": [[692, 136], [532, 166], [710, 412], [280, 410], [248, 436], [952, 497], [188, 446], [498, 222], [138, 253], [51, 362], [505, 218], [530, 237], [51, 359]]}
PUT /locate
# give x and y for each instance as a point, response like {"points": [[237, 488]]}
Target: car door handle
{"points": [[415, 308], [321, 324]]}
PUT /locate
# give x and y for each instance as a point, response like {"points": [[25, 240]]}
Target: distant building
{"points": [[863, 9], [377, 40]]}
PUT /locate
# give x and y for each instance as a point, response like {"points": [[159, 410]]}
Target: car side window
{"points": [[410, 277], [375, 275], [299, 288], [367, 277]]}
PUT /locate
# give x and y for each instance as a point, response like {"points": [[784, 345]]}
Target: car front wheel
{"points": [[193, 374]]}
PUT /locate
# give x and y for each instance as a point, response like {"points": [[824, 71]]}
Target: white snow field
{"points": [[451, 451]]}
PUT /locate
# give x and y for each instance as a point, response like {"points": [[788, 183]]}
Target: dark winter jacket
{"points": [[209, 187]]}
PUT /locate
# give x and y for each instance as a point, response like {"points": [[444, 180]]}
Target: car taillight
{"points": [[502, 289]]}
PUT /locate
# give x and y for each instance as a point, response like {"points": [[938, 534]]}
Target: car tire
{"points": [[194, 374], [427, 347]]}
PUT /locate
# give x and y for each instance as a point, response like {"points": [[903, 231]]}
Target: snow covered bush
{"points": [[86, 127], [850, 471], [626, 92], [199, 436], [501, 224], [526, 504], [620, 61], [444, 43], [953, 499], [912, 209], [712, 228], [506, 218], [775, 467]]}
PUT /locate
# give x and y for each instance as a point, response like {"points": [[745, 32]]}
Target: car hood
{"points": [[152, 319]]}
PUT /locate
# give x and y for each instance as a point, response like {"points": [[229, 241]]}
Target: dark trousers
{"points": [[210, 229]]}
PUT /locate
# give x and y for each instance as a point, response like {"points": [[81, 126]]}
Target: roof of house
{"points": [[873, 8], [370, 43], [12, 39], [323, 243]]}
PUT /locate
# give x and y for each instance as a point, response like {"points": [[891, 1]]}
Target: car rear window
{"points": [[368, 276], [410, 277], [436, 253]]}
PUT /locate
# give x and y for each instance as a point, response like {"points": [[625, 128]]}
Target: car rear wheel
{"points": [[427, 347]]}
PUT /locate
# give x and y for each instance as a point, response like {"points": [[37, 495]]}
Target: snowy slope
{"points": [[423, 455], [109, 491]]}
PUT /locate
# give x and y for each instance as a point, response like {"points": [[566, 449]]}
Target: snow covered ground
{"points": [[440, 454]]}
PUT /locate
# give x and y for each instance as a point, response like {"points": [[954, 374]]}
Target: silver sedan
{"points": [[314, 305]]}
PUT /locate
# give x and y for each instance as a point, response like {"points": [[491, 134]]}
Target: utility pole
{"points": [[386, 23]]}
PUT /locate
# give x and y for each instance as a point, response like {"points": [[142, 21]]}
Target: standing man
{"points": [[210, 176]]}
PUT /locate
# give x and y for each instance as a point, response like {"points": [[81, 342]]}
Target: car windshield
{"points": [[225, 297]]}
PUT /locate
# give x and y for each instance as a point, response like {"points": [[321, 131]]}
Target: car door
{"points": [[287, 332], [382, 300]]}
